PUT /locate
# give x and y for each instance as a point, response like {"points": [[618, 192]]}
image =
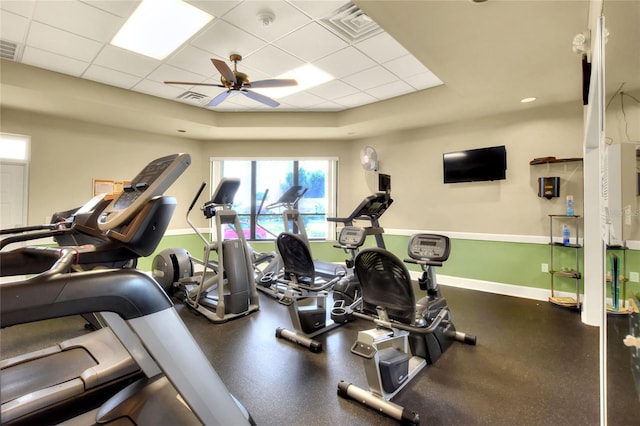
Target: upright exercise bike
{"points": [[409, 335], [225, 289]]}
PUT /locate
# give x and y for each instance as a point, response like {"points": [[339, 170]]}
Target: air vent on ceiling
{"points": [[8, 50], [351, 23], [194, 97]]}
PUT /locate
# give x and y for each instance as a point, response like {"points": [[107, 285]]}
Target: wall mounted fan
{"points": [[238, 82], [369, 158]]}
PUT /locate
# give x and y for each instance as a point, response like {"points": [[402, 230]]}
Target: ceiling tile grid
{"points": [[273, 37]]}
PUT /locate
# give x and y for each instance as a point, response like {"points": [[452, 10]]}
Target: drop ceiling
{"points": [[73, 37], [488, 55]]}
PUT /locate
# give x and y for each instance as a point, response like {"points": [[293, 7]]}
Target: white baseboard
{"points": [[496, 288]]}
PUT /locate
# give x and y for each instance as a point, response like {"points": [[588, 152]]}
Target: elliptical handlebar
{"points": [[290, 198], [193, 203]]}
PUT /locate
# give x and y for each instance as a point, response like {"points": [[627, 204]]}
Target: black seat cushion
{"points": [[296, 258], [385, 282]]}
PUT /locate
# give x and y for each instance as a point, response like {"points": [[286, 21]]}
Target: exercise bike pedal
{"points": [[287, 301]]}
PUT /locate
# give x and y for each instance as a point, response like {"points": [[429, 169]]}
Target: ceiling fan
{"points": [[238, 82]]}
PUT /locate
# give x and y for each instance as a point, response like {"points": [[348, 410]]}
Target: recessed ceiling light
{"points": [[527, 100], [307, 76], [158, 27]]}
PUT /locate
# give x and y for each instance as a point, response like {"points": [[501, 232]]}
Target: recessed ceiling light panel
{"points": [[158, 27]]}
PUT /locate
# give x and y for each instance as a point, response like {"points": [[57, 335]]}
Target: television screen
{"points": [[475, 165]]}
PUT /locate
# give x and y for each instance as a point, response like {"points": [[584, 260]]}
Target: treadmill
{"points": [[139, 346]]}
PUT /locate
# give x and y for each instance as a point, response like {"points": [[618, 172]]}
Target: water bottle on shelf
{"points": [[569, 205], [566, 235]]}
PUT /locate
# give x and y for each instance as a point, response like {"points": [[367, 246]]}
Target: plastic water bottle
{"points": [[569, 205], [566, 235]]}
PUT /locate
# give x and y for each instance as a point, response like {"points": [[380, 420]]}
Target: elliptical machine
{"points": [[225, 289], [408, 335]]}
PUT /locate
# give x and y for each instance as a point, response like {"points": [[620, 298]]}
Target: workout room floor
{"points": [[534, 364]]}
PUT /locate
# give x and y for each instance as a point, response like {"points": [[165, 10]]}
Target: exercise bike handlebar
{"points": [[443, 316]]}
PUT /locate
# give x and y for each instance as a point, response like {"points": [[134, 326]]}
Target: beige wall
{"points": [[67, 155], [511, 206]]}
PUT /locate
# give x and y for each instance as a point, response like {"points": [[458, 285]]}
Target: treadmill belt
{"points": [[22, 379]]}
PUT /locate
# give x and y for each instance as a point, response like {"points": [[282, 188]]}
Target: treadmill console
{"points": [[429, 247], [352, 236], [152, 181]]}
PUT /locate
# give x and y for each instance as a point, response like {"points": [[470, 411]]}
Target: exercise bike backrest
{"points": [[386, 283]]}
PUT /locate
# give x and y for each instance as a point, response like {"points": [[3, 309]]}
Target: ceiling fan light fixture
{"points": [[158, 27]]}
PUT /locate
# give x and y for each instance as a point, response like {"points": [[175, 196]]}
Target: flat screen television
{"points": [[475, 165]]}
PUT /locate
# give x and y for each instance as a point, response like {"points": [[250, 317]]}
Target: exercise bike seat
{"points": [[296, 257], [386, 283]]}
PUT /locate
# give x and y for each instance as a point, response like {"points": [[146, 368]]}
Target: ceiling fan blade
{"points": [[283, 82], [191, 83], [261, 98], [224, 70], [219, 98]]}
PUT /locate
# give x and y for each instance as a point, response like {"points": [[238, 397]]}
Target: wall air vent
{"points": [[8, 50], [351, 23], [194, 97]]}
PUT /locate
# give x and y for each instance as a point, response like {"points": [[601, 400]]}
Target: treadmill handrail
{"points": [[55, 293]]}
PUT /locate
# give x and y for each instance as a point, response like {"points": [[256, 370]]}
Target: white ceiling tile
{"points": [[19, 7], [405, 66], [126, 61], [121, 8], [272, 61], [372, 77], [333, 90], [319, 9], [195, 60], [78, 18], [63, 43], [328, 106], [52, 61], [391, 90], [311, 42], [286, 18], [168, 72], [381, 48], [345, 62], [217, 8], [111, 77], [13, 27], [223, 39], [356, 99], [302, 100], [157, 89], [424, 80]]}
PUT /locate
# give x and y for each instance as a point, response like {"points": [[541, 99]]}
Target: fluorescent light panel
{"points": [[307, 76], [158, 27]]}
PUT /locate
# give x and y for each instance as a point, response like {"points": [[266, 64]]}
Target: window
{"points": [[263, 181], [14, 147]]}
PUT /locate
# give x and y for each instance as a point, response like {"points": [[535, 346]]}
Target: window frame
{"points": [[331, 185]]}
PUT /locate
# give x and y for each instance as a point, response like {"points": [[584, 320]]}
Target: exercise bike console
{"points": [[431, 249], [152, 181]]}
